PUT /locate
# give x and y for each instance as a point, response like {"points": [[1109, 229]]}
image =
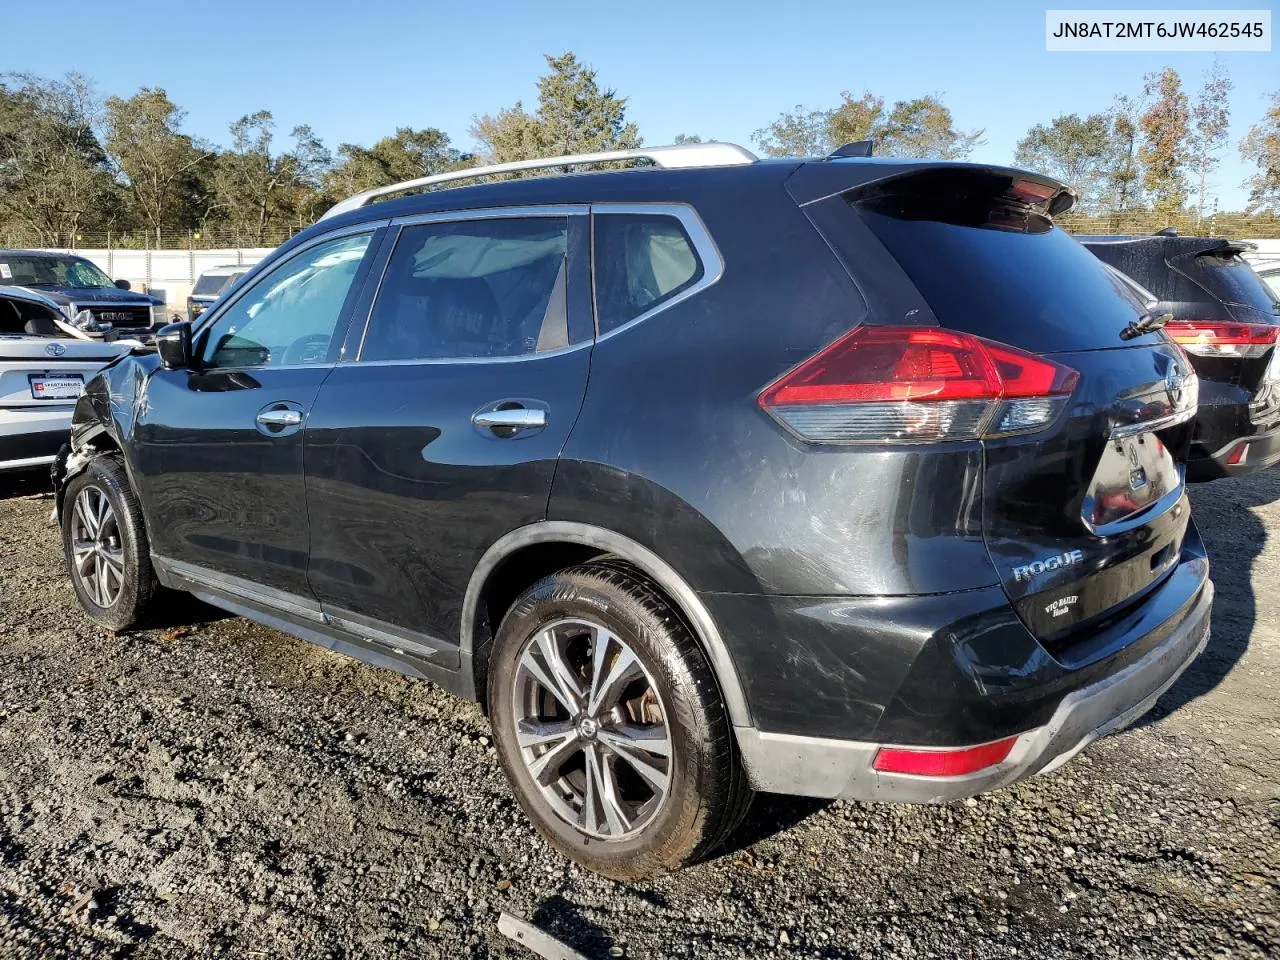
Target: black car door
{"points": [[443, 434], [217, 448]]}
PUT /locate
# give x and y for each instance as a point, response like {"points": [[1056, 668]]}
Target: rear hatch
{"points": [[1085, 517], [49, 371]]}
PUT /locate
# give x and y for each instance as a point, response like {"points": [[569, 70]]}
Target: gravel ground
{"points": [[214, 787]]}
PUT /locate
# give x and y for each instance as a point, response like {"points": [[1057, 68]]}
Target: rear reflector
{"points": [[942, 763], [1222, 338], [881, 383], [1238, 455]]}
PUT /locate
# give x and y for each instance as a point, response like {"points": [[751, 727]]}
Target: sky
{"points": [[355, 71]]}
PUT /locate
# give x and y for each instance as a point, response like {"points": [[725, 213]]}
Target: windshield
{"points": [[74, 272]]}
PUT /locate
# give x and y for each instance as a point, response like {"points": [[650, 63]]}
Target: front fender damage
{"points": [[104, 418]]}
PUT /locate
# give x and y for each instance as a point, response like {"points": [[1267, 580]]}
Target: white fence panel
{"points": [[169, 274]]}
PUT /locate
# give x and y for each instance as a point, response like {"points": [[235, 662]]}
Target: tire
{"points": [[671, 702], [124, 541]]}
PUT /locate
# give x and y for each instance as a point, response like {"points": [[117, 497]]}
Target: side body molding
{"points": [[653, 566]]}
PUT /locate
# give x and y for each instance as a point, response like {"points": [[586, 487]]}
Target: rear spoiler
{"points": [[1175, 246], [1223, 247], [867, 177]]}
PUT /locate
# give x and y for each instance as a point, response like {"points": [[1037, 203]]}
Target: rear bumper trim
{"points": [[820, 767]]}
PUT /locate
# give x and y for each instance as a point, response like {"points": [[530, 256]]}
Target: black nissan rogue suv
{"points": [[1228, 321], [842, 478]]}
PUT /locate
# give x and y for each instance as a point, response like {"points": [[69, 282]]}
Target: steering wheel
{"points": [[313, 348]]}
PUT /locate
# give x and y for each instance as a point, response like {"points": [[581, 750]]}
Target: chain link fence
{"points": [[1142, 222], [211, 239], [1135, 222]]}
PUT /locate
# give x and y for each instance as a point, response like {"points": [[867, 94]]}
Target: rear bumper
{"points": [[30, 437], [819, 767], [1228, 441], [1238, 457]]}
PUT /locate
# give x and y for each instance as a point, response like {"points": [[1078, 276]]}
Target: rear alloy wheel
{"points": [[609, 724], [105, 545], [592, 729]]}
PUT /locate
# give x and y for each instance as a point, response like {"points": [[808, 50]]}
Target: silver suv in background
{"points": [[210, 285]]}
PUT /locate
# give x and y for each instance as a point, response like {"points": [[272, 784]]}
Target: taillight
{"points": [[1222, 338], [880, 383]]}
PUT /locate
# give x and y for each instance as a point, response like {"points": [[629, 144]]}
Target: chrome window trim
{"points": [[435, 361], [703, 246], [563, 210]]}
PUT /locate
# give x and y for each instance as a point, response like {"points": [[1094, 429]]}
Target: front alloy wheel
{"points": [[97, 557], [104, 540]]}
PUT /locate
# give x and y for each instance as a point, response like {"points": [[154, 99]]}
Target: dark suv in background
{"points": [[1228, 320], [843, 478]]}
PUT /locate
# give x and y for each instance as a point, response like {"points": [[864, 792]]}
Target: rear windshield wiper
{"points": [[1145, 324]]}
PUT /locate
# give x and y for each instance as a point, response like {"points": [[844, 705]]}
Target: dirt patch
{"points": [[214, 787]]}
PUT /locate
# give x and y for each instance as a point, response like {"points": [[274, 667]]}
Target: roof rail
{"points": [[681, 155]]}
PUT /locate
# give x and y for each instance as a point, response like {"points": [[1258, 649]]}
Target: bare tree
{"points": [[1210, 117]]}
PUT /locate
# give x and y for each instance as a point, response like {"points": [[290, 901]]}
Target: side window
{"points": [[640, 261], [290, 315], [472, 288]]}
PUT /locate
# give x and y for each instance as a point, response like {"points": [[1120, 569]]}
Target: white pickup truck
{"points": [[45, 361]]}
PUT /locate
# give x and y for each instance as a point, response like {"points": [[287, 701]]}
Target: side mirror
{"points": [[173, 343], [124, 285]]}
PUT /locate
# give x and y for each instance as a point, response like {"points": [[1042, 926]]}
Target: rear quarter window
{"points": [[641, 261]]}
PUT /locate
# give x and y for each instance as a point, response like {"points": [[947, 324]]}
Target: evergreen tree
{"points": [[574, 115]]}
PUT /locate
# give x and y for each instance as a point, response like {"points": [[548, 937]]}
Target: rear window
{"points": [[1232, 280], [1004, 273], [209, 285]]}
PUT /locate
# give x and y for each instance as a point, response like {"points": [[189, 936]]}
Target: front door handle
{"points": [[280, 418]]}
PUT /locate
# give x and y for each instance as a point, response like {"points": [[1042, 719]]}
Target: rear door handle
{"points": [[522, 418], [505, 419], [280, 418]]}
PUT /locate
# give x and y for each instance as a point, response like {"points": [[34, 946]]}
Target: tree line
{"points": [[73, 163]]}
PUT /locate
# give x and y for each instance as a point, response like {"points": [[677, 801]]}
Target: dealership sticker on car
{"points": [[66, 387]]}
